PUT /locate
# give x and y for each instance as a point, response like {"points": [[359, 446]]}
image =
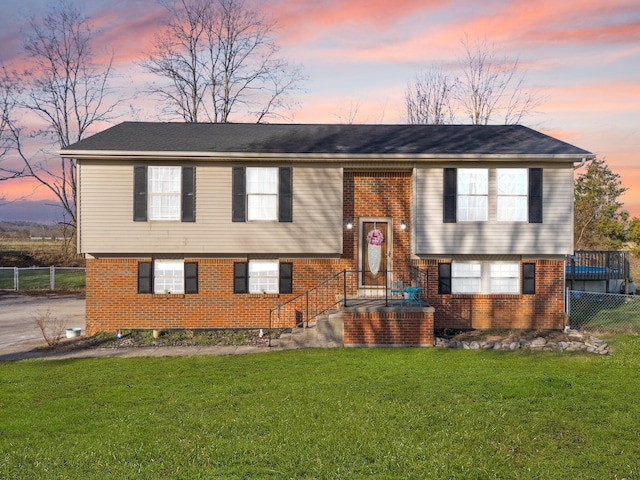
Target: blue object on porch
{"points": [[396, 288], [413, 295]]}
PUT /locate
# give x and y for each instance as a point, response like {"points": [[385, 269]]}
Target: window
{"points": [[466, 277], [263, 276], [505, 278], [518, 193], [512, 186], [164, 193], [262, 193], [168, 276], [480, 277], [473, 193]]}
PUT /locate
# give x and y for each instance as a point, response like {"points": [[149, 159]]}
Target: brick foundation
{"points": [[542, 310], [379, 326], [113, 301]]}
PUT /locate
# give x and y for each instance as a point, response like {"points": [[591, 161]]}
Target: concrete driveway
{"points": [[17, 314]]}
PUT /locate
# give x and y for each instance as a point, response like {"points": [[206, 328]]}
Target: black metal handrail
{"points": [[303, 305], [341, 288]]}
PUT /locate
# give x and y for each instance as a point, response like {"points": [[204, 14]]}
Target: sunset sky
{"points": [[582, 57]]}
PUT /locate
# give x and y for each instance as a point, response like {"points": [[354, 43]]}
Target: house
{"points": [[219, 225]]}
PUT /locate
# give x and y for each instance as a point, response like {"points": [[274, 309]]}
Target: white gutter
{"points": [[325, 157]]}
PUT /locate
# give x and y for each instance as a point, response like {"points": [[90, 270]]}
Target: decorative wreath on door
{"points": [[374, 254], [375, 237]]}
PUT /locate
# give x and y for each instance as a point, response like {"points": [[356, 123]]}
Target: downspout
{"points": [[582, 162]]}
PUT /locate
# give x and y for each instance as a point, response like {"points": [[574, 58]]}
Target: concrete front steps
{"points": [[327, 332]]}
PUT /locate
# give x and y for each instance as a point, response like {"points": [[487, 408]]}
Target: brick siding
{"points": [[113, 301], [388, 327], [542, 310]]}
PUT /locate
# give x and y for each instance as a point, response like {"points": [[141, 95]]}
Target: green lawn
{"points": [[339, 413], [606, 313]]}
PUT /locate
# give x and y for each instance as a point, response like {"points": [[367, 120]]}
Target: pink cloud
{"points": [[304, 20], [617, 96], [129, 30], [26, 187], [553, 22]]}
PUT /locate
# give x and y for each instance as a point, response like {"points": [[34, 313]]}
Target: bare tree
{"points": [[179, 57], [489, 86], [429, 99], [8, 87], [217, 57], [65, 90]]}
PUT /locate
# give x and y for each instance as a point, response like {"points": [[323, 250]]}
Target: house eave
{"points": [[311, 157]]}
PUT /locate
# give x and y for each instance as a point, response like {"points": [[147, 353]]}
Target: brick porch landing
{"points": [[394, 326]]}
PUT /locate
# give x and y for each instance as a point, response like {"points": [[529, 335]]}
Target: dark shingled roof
{"points": [[325, 139]]}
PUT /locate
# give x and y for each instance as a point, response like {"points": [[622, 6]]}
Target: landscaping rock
{"points": [[538, 342], [567, 341]]}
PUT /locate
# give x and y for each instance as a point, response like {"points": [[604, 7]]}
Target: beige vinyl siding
{"points": [[107, 226], [552, 237]]}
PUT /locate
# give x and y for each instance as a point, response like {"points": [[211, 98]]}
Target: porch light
{"points": [[403, 226], [349, 224]]}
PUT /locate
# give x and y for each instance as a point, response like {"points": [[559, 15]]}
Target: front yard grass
{"points": [[337, 413]]}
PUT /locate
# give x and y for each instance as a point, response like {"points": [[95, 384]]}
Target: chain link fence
{"points": [[42, 278], [604, 312]]}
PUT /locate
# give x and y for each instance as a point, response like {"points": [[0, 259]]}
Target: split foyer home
{"points": [[188, 225]]}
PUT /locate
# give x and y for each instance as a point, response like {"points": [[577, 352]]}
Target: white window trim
{"points": [[176, 195], [487, 283], [504, 277], [473, 196], [512, 197], [168, 283], [469, 281], [262, 205], [264, 283]]}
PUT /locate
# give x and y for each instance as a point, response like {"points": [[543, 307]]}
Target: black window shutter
{"points": [[286, 277], [240, 277], [140, 194], [450, 189], [535, 195], [188, 194], [145, 277], [528, 278], [239, 194], [285, 195], [190, 277], [444, 278]]}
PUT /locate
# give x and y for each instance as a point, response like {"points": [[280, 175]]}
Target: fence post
{"points": [[16, 279], [52, 277]]}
